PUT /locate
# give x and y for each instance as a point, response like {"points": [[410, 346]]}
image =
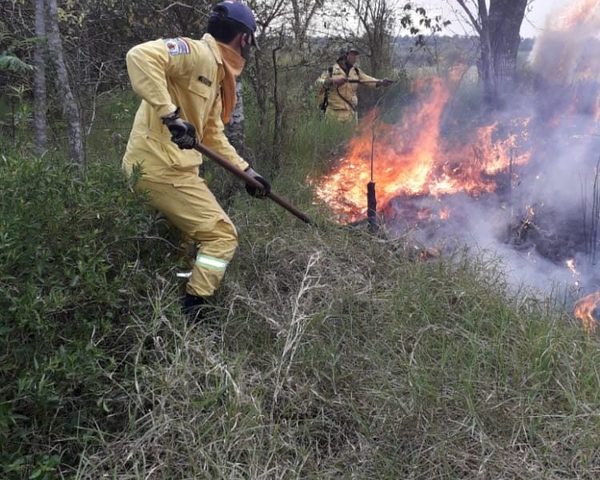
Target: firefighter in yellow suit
{"points": [[339, 86], [188, 91]]}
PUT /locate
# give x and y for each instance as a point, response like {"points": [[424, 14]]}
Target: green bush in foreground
{"points": [[71, 279]]}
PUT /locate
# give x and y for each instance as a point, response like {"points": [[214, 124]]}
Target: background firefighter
{"points": [[188, 90], [339, 85]]}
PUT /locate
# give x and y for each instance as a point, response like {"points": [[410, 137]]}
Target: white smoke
{"points": [[559, 48], [539, 224]]}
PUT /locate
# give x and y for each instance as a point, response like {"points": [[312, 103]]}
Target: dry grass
{"points": [[334, 355]]}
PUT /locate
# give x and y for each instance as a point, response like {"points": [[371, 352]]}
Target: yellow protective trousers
{"points": [[195, 212], [342, 116]]}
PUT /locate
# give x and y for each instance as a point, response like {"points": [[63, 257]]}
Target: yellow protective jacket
{"points": [[344, 97], [167, 74]]}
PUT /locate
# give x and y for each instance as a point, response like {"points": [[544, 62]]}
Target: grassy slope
{"points": [[336, 354]]}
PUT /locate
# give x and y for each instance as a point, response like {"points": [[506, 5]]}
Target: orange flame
{"points": [[584, 311], [575, 14], [573, 268], [412, 158]]}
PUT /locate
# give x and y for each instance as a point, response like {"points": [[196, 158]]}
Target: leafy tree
{"points": [[11, 63], [14, 71], [10, 45]]}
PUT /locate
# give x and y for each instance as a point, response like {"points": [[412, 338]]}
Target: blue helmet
{"points": [[238, 12]]}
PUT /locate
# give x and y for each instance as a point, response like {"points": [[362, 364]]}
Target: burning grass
{"points": [[414, 158]]}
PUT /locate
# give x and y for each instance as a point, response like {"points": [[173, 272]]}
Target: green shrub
{"points": [[71, 277]]}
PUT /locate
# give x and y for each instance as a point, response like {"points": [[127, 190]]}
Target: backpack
{"points": [[323, 95]]}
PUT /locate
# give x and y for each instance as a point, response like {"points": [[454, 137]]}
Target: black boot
{"points": [[192, 305]]}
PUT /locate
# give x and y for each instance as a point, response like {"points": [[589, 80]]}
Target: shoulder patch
{"points": [[177, 46]]}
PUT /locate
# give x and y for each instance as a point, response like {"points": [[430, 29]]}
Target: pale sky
{"points": [[532, 25]]}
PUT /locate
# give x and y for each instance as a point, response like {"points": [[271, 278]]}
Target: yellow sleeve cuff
{"points": [[243, 164], [165, 110]]}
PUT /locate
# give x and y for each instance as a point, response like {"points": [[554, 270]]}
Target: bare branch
{"points": [[174, 4], [472, 17]]}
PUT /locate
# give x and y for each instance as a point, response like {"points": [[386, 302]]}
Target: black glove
{"points": [[385, 82], [254, 191], [183, 134]]}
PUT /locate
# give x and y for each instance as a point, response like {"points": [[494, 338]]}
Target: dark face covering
{"points": [[247, 48], [351, 58], [246, 51]]}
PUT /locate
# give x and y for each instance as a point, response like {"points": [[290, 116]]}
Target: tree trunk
{"points": [[303, 13], [258, 77], [505, 20], [498, 30], [278, 124], [39, 80], [70, 110], [486, 65], [235, 128], [297, 25]]}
